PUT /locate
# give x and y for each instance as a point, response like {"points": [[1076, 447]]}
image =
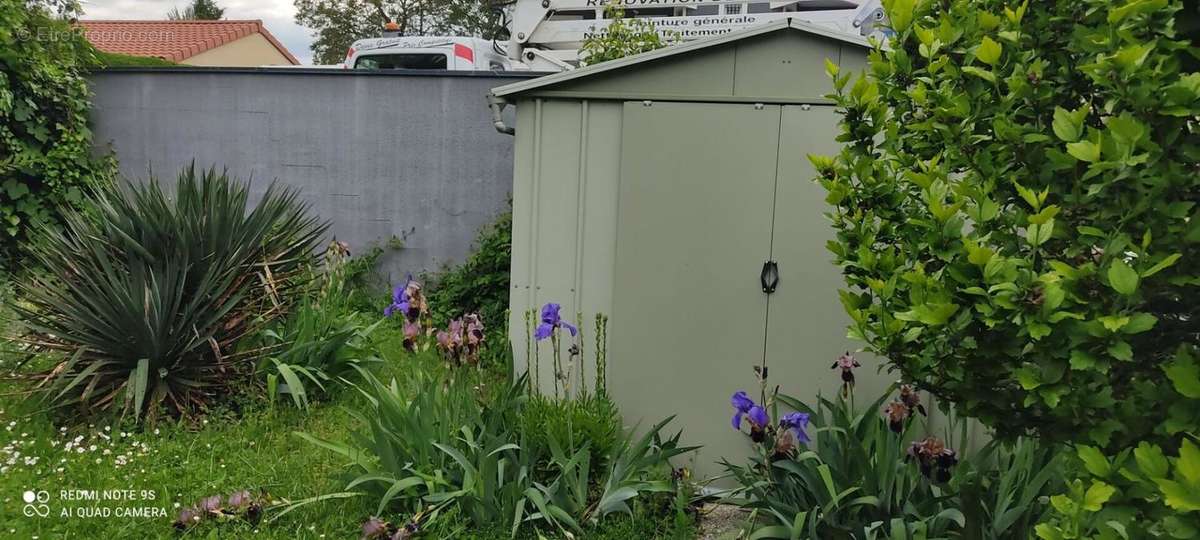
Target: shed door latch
{"points": [[769, 276]]}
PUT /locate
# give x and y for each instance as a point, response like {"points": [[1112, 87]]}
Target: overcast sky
{"points": [[277, 15]]}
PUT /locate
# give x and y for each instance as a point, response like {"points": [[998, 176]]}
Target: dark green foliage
{"points": [[480, 285], [146, 295], [1016, 212], [857, 481], [46, 161]]}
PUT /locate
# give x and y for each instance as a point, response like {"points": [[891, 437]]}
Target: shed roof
{"points": [[793, 26], [173, 40]]}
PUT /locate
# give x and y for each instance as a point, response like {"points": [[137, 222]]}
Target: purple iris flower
{"points": [[400, 300], [758, 417], [550, 322], [742, 404], [797, 422]]}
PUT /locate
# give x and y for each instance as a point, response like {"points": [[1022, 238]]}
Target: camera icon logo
{"points": [[35, 503]]}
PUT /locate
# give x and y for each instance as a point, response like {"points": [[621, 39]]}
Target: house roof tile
{"points": [[173, 40]]}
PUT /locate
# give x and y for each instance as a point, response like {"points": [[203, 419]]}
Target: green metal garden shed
{"points": [[659, 189]]}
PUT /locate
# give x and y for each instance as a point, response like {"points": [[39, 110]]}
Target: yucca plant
{"points": [[146, 293]]}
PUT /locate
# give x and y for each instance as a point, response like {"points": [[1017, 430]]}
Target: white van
{"points": [[426, 52]]}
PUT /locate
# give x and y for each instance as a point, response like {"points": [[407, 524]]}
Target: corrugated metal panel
{"points": [[707, 72], [688, 320], [784, 65], [564, 219], [601, 182], [778, 67], [806, 323], [852, 59], [524, 212]]}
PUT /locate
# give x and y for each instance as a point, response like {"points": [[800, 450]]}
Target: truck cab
{"points": [[426, 53]]}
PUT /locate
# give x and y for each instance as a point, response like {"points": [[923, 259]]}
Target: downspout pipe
{"points": [[497, 104]]}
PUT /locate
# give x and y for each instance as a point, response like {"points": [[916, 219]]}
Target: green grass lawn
{"points": [[174, 464]]}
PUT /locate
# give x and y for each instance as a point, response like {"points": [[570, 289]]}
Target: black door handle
{"points": [[769, 276]]}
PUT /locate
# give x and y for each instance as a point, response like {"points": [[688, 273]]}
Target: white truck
{"points": [[426, 53], [546, 35]]}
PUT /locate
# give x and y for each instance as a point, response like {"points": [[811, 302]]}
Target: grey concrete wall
{"points": [[382, 156]]}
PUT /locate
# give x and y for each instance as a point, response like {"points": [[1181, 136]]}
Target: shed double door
{"points": [[708, 193]]}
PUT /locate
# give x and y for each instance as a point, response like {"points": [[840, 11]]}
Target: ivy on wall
{"points": [[46, 158]]}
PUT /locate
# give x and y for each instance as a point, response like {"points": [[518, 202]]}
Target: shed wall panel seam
{"points": [[581, 205], [534, 237]]}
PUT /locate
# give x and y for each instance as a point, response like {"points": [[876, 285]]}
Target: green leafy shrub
{"points": [[866, 477], [46, 161], [479, 285], [1140, 492], [623, 37], [1017, 224], [1016, 212], [147, 294]]}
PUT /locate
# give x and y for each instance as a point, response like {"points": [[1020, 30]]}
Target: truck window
{"points": [[650, 12], [401, 61], [573, 15]]}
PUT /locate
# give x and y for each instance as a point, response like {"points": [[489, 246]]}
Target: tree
{"points": [[199, 10], [339, 23], [623, 37], [64, 9]]}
